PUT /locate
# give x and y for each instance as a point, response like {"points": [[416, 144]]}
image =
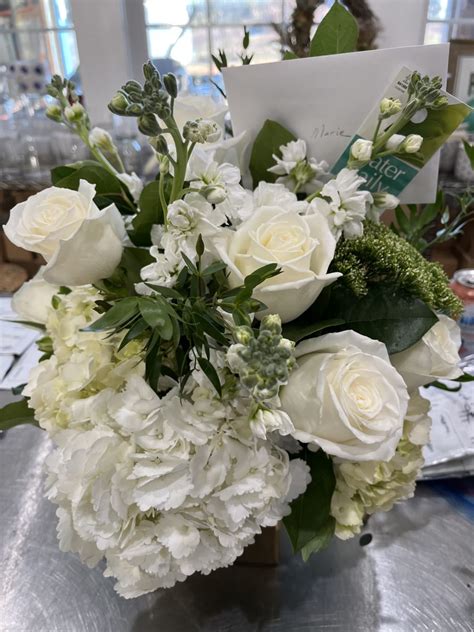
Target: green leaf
{"points": [[133, 260], [155, 314], [469, 149], [150, 213], [268, 142], [337, 33], [310, 526], [105, 182], [444, 387], [431, 211], [117, 316], [16, 414], [297, 330], [384, 314], [135, 331], [60, 172], [213, 268], [211, 374], [287, 55], [402, 220]]}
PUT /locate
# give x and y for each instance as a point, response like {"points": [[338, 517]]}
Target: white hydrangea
{"points": [[344, 204], [164, 488], [296, 170], [366, 487], [84, 364]]}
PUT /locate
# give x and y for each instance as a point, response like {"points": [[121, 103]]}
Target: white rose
{"points": [[303, 247], [362, 150], [80, 243], [412, 143], [435, 356], [32, 301], [346, 397]]}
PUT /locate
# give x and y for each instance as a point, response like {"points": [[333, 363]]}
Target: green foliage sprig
{"points": [[190, 317], [416, 225]]}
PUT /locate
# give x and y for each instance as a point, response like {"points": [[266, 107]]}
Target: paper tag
{"points": [[392, 174]]}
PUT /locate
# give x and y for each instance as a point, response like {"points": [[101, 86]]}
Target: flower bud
{"points": [[243, 335], [386, 201], [74, 112], [54, 113], [171, 85], [148, 125], [389, 107], [100, 138], [159, 144], [272, 323], [214, 194], [361, 150], [394, 142], [439, 103], [201, 131], [118, 104], [412, 143]]}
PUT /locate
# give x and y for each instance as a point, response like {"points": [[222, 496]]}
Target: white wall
{"points": [[403, 22], [105, 62]]}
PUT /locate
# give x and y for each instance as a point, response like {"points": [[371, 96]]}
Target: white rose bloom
{"points": [[302, 246], [362, 150], [364, 488], [345, 397], [32, 302], [80, 243], [435, 356], [345, 205], [167, 488], [133, 183]]}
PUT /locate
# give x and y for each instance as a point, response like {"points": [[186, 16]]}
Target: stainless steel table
{"points": [[415, 575]]}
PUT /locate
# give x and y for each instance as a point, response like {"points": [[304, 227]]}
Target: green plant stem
{"points": [[313, 196], [161, 193], [377, 129]]}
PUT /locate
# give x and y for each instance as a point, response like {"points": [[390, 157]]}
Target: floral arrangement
{"points": [[220, 356]]}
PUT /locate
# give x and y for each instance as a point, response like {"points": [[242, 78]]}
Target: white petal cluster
{"points": [[164, 488], [187, 219], [366, 487], [344, 204], [296, 170], [84, 365]]}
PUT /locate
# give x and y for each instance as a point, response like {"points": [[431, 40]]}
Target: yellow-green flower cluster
{"points": [[366, 487], [381, 256]]}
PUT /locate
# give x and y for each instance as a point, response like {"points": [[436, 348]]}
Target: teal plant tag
{"points": [[392, 172]]}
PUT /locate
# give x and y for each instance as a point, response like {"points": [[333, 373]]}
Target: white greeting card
{"points": [[325, 99]]}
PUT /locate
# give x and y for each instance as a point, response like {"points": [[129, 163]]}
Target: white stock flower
{"points": [[412, 143], [361, 150], [32, 302], [296, 170], [133, 183], [389, 106], [101, 138], [167, 487], [202, 131], [80, 243], [216, 182], [435, 356], [266, 421], [344, 205], [345, 397], [269, 194], [364, 488], [191, 107], [187, 219], [381, 202], [302, 246], [394, 142]]}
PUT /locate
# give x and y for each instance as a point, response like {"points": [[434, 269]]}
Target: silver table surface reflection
{"points": [[415, 575]]}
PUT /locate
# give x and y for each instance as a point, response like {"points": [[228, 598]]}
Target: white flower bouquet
{"points": [[220, 357]]}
